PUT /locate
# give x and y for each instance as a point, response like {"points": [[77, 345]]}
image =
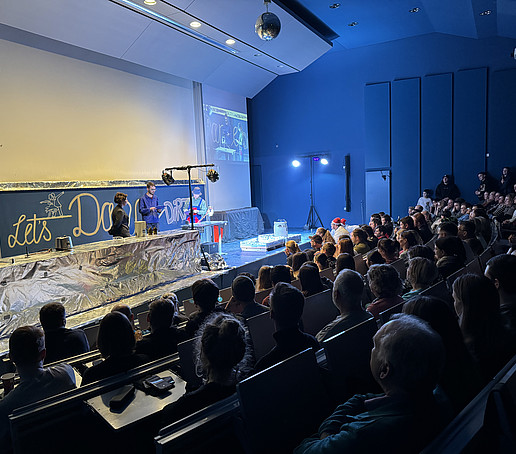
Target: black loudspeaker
{"points": [[210, 247], [347, 173]]}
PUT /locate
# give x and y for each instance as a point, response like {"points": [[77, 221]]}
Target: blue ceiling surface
{"points": [[379, 21]]}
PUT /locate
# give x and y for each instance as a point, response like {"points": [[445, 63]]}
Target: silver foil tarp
{"points": [[93, 275]]}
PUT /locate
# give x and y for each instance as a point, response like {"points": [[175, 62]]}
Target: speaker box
{"points": [[210, 247]]}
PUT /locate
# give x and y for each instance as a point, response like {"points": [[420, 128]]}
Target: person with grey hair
{"points": [[406, 361], [27, 351], [347, 297], [223, 356], [421, 274], [385, 283]]}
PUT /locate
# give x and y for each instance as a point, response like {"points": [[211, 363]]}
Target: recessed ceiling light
{"points": [[257, 55], [334, 5], [353, 24], [281, 66], [195, 24], [230, 42], [414, 10], [150, 2], [487, 12]]}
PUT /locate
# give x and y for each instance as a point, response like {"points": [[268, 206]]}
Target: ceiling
{"points": [[379, 21], [160, 39]]}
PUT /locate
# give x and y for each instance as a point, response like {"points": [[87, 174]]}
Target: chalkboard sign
{"points": [[32, 219]]}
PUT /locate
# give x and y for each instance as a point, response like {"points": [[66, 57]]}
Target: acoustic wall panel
{"points": [[469, 129], [377, 125], [436, 128], [502, 121], [405, 144]]}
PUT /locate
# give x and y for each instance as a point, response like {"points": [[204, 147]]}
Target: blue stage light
{"points": [[296, 163], [324, 161]]}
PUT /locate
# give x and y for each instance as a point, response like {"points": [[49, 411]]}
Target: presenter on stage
{"points": [[199, 206], [119, 218], [149, 206]]}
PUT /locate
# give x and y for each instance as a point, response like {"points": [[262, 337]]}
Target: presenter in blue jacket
{"points": [[149, 206]]}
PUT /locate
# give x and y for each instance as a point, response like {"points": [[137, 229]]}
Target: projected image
{"points": [[226, 134]]}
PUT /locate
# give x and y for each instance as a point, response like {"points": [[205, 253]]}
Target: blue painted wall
{"points": [[323, 109]]}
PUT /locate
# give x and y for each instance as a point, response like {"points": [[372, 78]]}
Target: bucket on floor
{"points": [[280, 228]]}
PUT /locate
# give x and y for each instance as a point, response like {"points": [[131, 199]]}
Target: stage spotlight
{"points": [[296, 163], [212, 175], [167, 177], [324, 161]]}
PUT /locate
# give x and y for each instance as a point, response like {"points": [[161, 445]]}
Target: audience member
{"points": [[264, 278], [347, 297], [205, 295], [422, 228], [501, 270], [316, 243], [359, 239], [421, 274], [487, 185], [329, 249], [507, 181], [60, 342], [450, 255], [242, 300], [297, 260], [447, 188], [164, 337], [389, 249], [425, 201], [407, 239], [406, 361], [279, 273], [287, 303], [321, 260], [385, 283], [466, 232], [27, 351], [477, 305], [345, 246], [371, 239], [344, 261], [382, 231], [460, 379], [421, 251], [337, 229], [447, 229], [291, 247], [407, 223], [387, 222], [116, 345], [223, 355], [374, 258], [310, 280]]}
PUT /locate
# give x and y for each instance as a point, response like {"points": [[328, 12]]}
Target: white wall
{"points": [[63, 119]]}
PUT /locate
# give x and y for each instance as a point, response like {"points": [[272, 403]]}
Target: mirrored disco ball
{"points": [[268, 26]]}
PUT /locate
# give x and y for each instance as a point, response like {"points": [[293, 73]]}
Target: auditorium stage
{"points": [[238, 261]]}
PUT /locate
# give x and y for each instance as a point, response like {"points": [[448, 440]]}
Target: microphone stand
{"points": [[189, 170]]}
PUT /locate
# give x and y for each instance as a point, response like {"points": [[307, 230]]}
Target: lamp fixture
{"points": [[150, 2], [487, 12], [212, 175], [195, 24], [296, 163], [353, 24], [268, 24], [230, 42], [414, 10], [167, 177], [335, 5]]}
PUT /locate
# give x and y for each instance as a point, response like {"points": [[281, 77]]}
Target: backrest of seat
{"points": [[319, 310], [401, 267], [348, 355], [385, 316], [187, 361], [360, 265], [283, 404], [226, 294], [439, 290], [451, 279], [259, 296], [143, 322], [474, 267], [91, 333], [328, 272], [189, 307], [485, 256], [261, 328]]}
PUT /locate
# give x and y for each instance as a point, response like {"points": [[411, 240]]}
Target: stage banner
{"points": [[31, 220]]}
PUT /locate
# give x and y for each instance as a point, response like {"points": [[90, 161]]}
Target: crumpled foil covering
{"points": [[53, 185], [93, 275]]}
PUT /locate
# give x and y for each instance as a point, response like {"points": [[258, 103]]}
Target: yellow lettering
{"points": [[12, 240], [45, 233], [109, 206], [30, 228], [77, 231]]}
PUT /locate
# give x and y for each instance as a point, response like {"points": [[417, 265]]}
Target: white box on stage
{"points": [[266, 242], [139, 228], [280, 228]]}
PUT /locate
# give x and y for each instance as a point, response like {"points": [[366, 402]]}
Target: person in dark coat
{"points": [[61, 342], [447, 188], [119, 218], [507, 181], [487, 184]]}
